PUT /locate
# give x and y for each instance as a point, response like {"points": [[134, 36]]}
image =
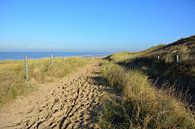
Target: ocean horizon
{"points": [[37, 55]]}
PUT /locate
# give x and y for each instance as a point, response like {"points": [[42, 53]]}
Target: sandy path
{"points": [[69, 103]]}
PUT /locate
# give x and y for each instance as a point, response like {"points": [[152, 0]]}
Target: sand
{"points": [[70, 103]]}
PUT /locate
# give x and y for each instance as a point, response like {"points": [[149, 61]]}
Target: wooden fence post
{"points": [[158, 57], [177, 57], [26, 67], [51, 59]]}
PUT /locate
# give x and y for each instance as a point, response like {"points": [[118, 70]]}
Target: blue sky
{"points": [[93, 25]]}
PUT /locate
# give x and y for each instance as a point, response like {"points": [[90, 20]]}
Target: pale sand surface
{"points": [[68, 103]]}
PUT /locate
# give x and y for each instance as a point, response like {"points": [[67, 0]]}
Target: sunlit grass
{"points": [[137, 103], [127, 56], [12, 77], [140, 105]]}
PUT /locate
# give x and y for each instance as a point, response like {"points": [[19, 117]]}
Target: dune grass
{"points": [[12, 78], [122, 56], [127, 56], [139, 105]]}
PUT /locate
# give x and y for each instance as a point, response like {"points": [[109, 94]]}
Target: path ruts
{"points": [[67, 104]]}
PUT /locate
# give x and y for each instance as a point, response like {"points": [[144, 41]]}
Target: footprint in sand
{"points": [[67, 104]]}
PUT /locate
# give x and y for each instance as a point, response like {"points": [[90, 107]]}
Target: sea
{"points": [[37, 55]]}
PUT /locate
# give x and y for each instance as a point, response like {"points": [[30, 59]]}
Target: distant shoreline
{"points": [[39, 55]]}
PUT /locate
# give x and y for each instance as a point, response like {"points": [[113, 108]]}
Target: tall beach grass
{"points": [[12, 77], [139, 105]]}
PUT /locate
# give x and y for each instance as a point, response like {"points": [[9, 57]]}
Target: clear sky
{"points": [[93, 25]]}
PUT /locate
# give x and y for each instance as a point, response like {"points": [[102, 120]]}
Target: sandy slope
{"points": [[69, 103]]}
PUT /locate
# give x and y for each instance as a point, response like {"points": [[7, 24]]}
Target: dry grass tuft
{"points": [[140, 105], [12, 79]]}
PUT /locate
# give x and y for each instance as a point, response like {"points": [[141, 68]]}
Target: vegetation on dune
{"points": [[43, 71], [140, 105], [12, 78], [150, 87], [127, 56], [121, 56], [160, 63], [140, 98]]}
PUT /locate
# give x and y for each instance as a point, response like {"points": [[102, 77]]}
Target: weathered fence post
{"points": [[51, 59], [26, 67], [177, 57], [158, 57]]}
